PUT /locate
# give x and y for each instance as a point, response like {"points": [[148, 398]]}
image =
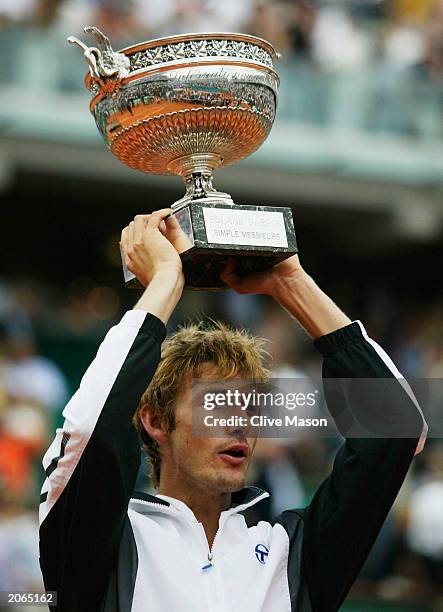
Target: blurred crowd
{"points": [[334, 34], [43, 335]]}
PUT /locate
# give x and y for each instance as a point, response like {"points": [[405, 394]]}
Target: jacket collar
{"points": [[247, 497]]}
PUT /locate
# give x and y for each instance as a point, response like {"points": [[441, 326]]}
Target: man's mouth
{"points": [[236, 454]]}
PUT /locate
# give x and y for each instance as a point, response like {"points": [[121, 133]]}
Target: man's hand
{"points": [[151, 245], [291, 287], [263, 283]]}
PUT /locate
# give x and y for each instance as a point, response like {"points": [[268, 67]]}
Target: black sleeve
{"points": [[92, 465], [349, 508]]}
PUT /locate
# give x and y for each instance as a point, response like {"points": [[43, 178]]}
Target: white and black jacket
{"points": [[104, 548]]}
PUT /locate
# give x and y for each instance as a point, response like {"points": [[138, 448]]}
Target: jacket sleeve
{"points": [[92, 464], [349, 508]]}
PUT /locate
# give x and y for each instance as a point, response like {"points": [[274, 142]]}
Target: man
{"points": [[106, 548]]}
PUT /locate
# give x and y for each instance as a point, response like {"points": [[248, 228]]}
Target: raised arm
{"points": [[92, 464], [349, 508], [340, 525]]}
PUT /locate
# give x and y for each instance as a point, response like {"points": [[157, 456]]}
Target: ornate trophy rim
{"points": [[178, 38], [176, 51]]}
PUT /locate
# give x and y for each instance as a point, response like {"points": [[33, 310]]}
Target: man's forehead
{"points": [[209, 379]]}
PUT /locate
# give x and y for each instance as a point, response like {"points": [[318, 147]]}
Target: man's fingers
{"points": [[172, 224], [124, 245], [230, 266], [157, 217], [229, 276], [131, 236], [241, 284], [133, 233], [140, 223]]}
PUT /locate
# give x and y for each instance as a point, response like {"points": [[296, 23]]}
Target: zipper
{"points": [[150, 503], [206, 569], [170, 508], [209, 553], [210, 557], [210, 549]]}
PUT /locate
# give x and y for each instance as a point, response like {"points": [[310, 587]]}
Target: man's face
{"points": [[218, 464]]}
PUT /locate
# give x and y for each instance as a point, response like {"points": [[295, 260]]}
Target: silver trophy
{"points": [[186, 105]]}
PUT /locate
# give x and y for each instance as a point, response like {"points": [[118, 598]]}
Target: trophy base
{"points": [[202, 266], [256, 237]]}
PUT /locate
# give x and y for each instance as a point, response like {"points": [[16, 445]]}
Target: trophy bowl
{"points": [[186, 101], [186, 105]]}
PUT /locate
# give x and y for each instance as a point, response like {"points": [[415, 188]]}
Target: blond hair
{"points": [[233, 352]]}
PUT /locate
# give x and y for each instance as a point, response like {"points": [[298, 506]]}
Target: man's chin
{"points": [[230, 483]]}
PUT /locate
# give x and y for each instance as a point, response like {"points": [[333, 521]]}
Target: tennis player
{"points": [[106, 548]]}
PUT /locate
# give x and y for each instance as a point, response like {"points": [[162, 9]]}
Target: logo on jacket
{"points": [[261, 552]]}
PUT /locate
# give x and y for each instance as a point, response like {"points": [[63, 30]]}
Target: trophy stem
{"points": [[196, 171]]}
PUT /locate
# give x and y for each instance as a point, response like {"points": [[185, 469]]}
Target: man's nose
{"points": [[240, 426]]}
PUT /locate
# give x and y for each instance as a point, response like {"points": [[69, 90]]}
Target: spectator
{"points": [[425, 522], [30, 376], [15, 11], [23, 436], [19, 566]]}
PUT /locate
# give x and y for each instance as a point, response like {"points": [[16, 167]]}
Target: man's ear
{"points": [[154, 425]]}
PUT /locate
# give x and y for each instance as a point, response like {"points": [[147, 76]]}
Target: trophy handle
{"points": [[103, 41], [104, 62], [92, 56]]}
